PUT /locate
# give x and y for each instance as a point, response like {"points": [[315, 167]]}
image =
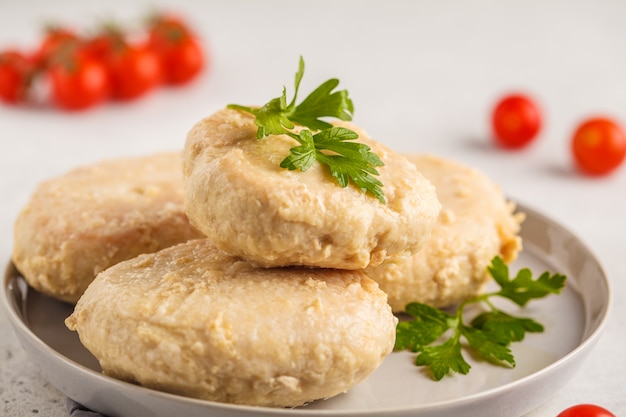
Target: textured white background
{"points": [[423, 76]]}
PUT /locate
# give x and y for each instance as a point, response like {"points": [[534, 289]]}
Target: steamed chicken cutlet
{"points": [[237, 194], [95, 216], [476, 224], [195, 321]]}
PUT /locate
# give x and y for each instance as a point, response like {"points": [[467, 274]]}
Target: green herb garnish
{"points": [[321, 142], [489, 334]]}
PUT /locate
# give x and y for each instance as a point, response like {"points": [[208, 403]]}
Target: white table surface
{"points": [[423, 76]]}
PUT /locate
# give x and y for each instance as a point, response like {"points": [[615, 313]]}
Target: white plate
{"points": [[545, 361]]}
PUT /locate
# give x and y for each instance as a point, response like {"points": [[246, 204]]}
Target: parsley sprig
{"points": [[320, 141], [489, 334]]}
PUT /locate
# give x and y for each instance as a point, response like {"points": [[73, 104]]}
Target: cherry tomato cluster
{"points": [[83, 71], [598, 144]]}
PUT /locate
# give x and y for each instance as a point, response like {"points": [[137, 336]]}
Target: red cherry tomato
{"points": [[586, 410], [516, 120], [16, 71], [180, 53], [79, 82], [55, 39], [99, 46], [598, 146], [182, 61], [134, 70], [166, 28]]}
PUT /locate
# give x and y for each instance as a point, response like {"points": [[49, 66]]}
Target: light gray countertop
{"points": [[423, 76]]}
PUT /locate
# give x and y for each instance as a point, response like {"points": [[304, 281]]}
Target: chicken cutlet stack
{"points": [[223, 276], [272, 307]]}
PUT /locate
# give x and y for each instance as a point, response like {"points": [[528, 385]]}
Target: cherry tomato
{"points": [[78, 82], [55, 39], [134, 70], [180, 53], [586, 410], [516, 120], [182, 61], [165, 28], [16, 71], [598, 146], [99, 46]]}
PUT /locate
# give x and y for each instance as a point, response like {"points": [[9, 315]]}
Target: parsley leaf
{"points": [[347, 161], [443, 358], [429, 324], [504, 328], [487, 347], [523, 288], [489, 334], [322, 102]]}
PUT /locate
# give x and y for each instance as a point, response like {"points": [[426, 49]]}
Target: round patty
{"points": [[95, 216], [194, 321], [237, 195], [476, 224]]}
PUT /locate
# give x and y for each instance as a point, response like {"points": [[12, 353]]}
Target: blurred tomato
{"points": [[78, 81], [586, 410], [516, 120], [100, 46], [165, 28], [134, 70], [55, 39], [16, 71], [599, 146], [181, 55], [182, 60]]}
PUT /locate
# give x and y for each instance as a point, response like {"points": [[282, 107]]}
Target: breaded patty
{"points": [[237, 194], [95, 216], [195, 321], [476, 224]]}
